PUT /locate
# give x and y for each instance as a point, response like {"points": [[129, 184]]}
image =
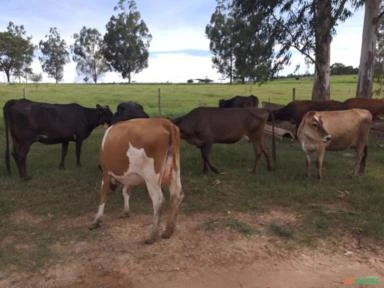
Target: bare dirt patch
{"points": [[194, 257]]}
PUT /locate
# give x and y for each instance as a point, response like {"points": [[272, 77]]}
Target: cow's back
{"points": [[220, 125], [151, 136], [346, 127], [375, 106]]}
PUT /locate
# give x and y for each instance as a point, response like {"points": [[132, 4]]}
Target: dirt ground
{"points": [[196, 257]]}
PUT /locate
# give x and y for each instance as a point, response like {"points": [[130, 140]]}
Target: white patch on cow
{"points": [[105, 137], [316, 117], [141, 168], [100, 212]]}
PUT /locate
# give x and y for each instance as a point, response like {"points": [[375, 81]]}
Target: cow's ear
{"points": [[98, 106], [107, 107]]}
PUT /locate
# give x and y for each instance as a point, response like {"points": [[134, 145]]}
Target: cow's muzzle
{"points": [[327, 139]]}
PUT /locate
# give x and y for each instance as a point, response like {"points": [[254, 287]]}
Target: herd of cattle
{"points": [[147, 150]]}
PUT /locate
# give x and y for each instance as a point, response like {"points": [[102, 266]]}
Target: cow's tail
{"points": [[172, 156], [6, 151], [273, 137]]}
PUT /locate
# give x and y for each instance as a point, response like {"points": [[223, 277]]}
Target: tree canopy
{"points": [[87, 52], [127, 40], [16, 51], [261, 25], [54, 54]]}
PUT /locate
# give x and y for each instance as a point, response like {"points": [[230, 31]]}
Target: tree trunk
{"points": [[323, 38], [367, 54], [7, 72]]}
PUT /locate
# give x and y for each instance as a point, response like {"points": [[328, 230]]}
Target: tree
{"points": [[36, 77], [16, 50], [306, 26], [88, 54], [127, 40], [219, 32], [55, 55], [372, 16], [378, 69], [241, 44]]}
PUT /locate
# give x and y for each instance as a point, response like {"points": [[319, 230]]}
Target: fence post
{"points": [[293, 94], [158, 101]]}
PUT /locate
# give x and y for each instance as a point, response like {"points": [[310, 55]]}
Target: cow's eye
{"points": [[314, 124]]}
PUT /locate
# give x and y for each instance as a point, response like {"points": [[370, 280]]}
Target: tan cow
{"points": [[335, 130], [142, 151]]}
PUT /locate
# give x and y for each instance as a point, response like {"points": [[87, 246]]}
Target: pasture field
{"points": [[339, 205]]}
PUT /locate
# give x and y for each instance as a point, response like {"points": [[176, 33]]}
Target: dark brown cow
{"points": [[335, 130], [240, 101], [30, 122], [205, 126], [142, 151], [295, 110], [375, 106]]}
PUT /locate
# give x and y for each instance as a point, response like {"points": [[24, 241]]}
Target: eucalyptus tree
{"points": [[373, 14], [127, 40], [54, 54], [16, 50], [241, 46], [88, 54]]}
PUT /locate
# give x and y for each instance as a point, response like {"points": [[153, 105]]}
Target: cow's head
{"points": [[105, 114], [315, 127]]}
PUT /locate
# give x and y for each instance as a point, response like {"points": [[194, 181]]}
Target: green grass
{"points": [[324, 206]]}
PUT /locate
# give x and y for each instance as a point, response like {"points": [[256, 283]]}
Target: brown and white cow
{"points": [[142, 151], [335, 130]]}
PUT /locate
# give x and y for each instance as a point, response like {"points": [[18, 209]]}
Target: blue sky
{"points": [[179, 49]]}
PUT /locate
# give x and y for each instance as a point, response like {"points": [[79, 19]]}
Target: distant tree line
{"points": [[124, 48]]}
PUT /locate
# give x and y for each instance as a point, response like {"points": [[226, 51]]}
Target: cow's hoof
{"points": [[124, 214], [167, 233], [94, 225]]}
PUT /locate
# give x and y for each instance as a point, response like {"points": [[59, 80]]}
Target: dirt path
{"points": [[194, 257]]}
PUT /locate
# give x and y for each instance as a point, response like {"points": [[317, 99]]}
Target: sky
{"points": [[179, 49]]}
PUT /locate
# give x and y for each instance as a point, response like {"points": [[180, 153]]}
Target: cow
{"points": [[295, 110], [239, 101], [335, 130], [375, 106], [204, 126], [28, 122], [128, 110], [142, 151]]}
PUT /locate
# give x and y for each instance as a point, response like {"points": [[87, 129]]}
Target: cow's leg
{"points": [[205, 150], [126, 191], [176, 197], [157, 198], [257, 149], [266, 155], [64, 151], [105, 184], [307, 163], [19, 153], [320, 160], [361, 155], [78, 152]]}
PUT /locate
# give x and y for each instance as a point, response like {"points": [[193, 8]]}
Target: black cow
{"points": [[29, 122], [205, 126], [128, 110], [240, 101]]}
